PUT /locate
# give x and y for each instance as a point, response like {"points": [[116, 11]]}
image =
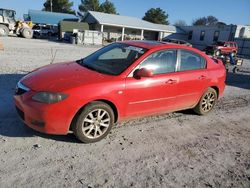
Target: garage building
{"points": [[119, 27]]}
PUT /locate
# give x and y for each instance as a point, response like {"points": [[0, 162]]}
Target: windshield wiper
{"points": [[89, 67], [81, 62]]}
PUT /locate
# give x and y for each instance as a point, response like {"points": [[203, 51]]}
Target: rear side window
{"points": [[191, 61], [161, 62]]}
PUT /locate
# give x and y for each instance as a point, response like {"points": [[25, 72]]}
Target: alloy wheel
{"points": [[96, 123], [208, 101]]}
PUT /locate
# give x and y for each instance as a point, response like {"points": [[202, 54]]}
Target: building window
{"points": [[202, 36], [231, 37], [190, 35], [242, 32], [216, 35]]}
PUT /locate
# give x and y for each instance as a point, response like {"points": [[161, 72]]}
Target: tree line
{"points": [[154, 15]]}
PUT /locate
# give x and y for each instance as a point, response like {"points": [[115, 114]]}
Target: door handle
{"points": [[202, 77], [171, 81]]}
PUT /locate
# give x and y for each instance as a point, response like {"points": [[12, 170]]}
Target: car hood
{"points": [[62, 76]]}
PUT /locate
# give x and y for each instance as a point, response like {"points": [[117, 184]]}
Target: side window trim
{"points": [[178, 61]]}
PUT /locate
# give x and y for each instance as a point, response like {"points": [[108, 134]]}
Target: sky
{"points": [[228, 11]]}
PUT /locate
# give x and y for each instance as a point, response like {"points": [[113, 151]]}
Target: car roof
{"points": [[150, 44]]}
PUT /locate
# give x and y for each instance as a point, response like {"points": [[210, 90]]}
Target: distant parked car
{"points": [[222, 48], [176, 41], [41, 31], [120, 81]]}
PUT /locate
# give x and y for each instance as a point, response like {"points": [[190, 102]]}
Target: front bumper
{"points": [[46, 118]]}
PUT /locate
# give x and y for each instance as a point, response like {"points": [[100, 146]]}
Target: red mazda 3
{"points": [[120, 81]]}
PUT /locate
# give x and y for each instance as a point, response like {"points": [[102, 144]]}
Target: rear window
{"points": [[219, 43]]}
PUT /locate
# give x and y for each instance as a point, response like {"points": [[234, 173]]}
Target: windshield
{"points": [[9, 13], [113, 59]]}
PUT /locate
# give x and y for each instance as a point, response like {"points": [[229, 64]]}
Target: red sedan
{"points": [[122, 80]]}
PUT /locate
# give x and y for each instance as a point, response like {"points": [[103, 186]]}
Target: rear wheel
{"points": [[236, 70], [4, 30], [27, 33], [94, 123], [207, 102]]}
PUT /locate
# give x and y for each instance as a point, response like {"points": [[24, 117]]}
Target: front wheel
{"points": [[27, 33], [94, 123], [4, 30], [207, 102]]}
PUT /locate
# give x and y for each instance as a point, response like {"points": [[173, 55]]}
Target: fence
{"points": [[244, 46]]}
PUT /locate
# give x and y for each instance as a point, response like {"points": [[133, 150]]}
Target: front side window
{"points": [[113, 59], [191, 61], [161, 62]]}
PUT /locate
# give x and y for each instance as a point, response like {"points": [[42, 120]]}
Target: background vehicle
{"points": [[176, 41], [220, 48], [232, 63], [120, 81], [9, 24], [41, 31]]}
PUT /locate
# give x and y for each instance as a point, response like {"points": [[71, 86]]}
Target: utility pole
{"points": [[51, 5]]}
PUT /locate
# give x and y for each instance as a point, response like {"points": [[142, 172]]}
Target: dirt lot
{"points": [[172, 150]]}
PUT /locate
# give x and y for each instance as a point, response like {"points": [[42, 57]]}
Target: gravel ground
{"points": [[171, 150]]}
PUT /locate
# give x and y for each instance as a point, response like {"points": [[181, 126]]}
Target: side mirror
{"points": [[143, 72]]}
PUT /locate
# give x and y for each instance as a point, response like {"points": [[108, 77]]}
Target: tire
{"points": [[4, 30], [207, 102], [236, 70], [88, 128], [27, 33], [217, 53]]}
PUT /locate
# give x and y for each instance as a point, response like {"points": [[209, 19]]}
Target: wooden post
{"points": [[101, 28], [1, 46], [123, 31], [142, 34]]}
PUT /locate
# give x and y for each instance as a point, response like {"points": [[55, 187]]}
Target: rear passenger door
{"points": [[193, 78]]}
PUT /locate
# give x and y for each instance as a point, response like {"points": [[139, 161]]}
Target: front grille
{"points": [[20, 113], [20, 91]]}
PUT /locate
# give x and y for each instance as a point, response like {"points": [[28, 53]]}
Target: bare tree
{"points": [[209, 20], [180, 23]]}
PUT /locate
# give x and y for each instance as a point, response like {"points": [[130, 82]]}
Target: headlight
{"points": [[47, 97]]}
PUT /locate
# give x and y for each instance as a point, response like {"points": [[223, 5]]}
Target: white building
{"points": [[201, 36], [124, 27], [242, 31]]}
